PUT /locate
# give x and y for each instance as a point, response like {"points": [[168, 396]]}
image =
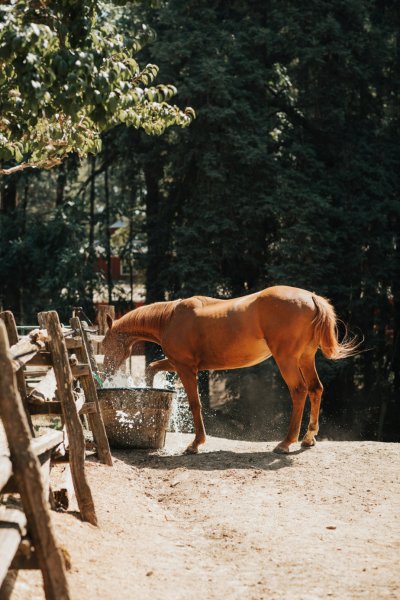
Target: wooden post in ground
{"points": [[96, 422], [27, 474], [72, 421], [12, 334], [89, 347], [102, 311]]}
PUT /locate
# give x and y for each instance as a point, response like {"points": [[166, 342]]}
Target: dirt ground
{"points": [[237, 521]]}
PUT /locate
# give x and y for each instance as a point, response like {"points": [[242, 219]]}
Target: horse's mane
{"points": [[145, 319]]}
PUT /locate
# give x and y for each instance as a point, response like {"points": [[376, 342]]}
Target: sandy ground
{"points": [[237, 521]]}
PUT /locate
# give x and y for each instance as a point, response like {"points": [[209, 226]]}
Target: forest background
{"points": [[288, 175]]}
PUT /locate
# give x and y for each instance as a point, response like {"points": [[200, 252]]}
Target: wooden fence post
{"points": [[89, 346], [72, 422], [102, 311], [27, 474], [89, 388], [12, 334]]}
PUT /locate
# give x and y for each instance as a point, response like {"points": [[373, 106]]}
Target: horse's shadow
{"points": [[220, 460]]}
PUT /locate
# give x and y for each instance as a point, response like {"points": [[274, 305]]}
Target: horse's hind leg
{"points": [[315, 389], [289, 368]]}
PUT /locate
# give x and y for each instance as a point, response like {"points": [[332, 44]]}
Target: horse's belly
{"points": [[236, 356]]}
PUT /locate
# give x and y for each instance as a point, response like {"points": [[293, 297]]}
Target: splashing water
{"points": [[123, 380], [119, 380], [181, 418], [162, 381]]}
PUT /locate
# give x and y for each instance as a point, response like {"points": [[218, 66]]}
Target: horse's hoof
{"points": [[306, 444], [281, 449], [191, 449]]}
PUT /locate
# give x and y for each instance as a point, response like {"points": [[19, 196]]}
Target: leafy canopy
{"points": [[67, 74]]}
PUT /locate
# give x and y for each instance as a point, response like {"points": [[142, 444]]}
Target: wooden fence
{"points": [[61, 357]]}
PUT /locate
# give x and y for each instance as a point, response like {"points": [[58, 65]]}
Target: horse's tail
{"points": [[326, 332]]}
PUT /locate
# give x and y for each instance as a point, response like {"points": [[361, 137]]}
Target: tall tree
{"points": [[278, 180]]}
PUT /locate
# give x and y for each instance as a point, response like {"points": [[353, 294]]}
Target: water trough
{"points": [[136, 417]]}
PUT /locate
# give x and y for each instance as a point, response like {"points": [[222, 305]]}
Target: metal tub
{"points": [[136, 417]]}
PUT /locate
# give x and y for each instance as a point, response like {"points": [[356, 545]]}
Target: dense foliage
{"points": [[289, 174], [68, 73]]}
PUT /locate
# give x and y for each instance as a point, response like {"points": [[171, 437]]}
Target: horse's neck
{"points": [[146, 322]]}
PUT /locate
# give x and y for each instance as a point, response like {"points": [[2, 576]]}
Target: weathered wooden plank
{"points": [[47, 441], [44, 455], [26, 471], [80, 370], [73, 424], [12, 334], [11, 486], [12, 528], [54, 408], [88, 408], [15, 516], [41, 359], [26, 348], [35, 372], [5, 470], [73, 343], [62, 451], [89, 387], [88, 339], [45, 390]]}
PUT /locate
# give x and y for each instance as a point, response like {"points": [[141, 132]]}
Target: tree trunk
{"points": [[108, 236], [60, 187], [9, 194], [9, 203], [130, 248], [154, 291], [92, 198], [155, 236]]}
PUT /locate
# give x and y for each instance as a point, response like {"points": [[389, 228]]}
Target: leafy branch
{"points": [[67, 75]]}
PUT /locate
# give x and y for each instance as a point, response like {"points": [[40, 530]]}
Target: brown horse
{"points": [[202, 333]]}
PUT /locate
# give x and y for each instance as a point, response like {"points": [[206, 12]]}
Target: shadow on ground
{"points": [[207, 461]]}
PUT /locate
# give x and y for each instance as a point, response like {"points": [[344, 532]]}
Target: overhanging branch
{"points": [[48, 163]]}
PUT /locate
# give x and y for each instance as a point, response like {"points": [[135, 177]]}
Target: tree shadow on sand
{"points": [[207, 461]]}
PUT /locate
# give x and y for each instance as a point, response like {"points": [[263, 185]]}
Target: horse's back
{"points": [[282, 293], [278, 303], [287, 293], [195, 302]]}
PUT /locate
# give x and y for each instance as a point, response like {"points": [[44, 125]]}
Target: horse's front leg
{"points": [[156, 367], [188, 377]]}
